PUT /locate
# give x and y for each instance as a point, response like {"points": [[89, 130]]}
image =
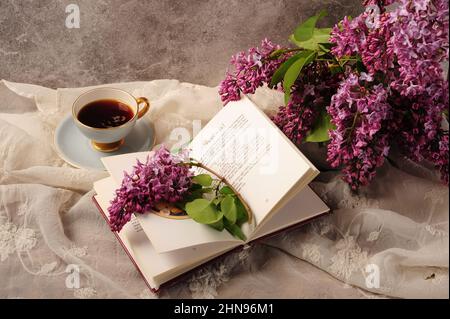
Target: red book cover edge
{"points": [[178, 278]]}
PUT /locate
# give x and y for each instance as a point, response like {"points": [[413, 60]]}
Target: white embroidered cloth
{"points": [[390, 240]]}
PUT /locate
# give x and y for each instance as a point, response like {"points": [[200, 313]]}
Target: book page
{"points": [[118, 164], [243, 145], [156, 268], [302, 206], [166, 234]]}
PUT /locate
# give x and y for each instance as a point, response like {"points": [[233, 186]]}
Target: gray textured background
{"points": [[142, 40]]}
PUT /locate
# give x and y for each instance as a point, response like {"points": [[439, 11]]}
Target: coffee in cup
{"points": [[106, 116]]}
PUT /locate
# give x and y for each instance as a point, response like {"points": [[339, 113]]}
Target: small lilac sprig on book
{"points": [[169, 178]]}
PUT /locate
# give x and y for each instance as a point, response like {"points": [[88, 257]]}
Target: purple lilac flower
{"points": [[374, 51], [407, 47], [420, 42], [312, 92], [368, 40], [437, 153], [419, 90], [159, 179], [360, 140], [415, 35], [252, 69], [417, 126], [440, 156], [229, 89], [348, 36], [380, 3], [401, 98], [296, 119]]}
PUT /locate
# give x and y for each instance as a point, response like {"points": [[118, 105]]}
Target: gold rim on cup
{"points": [[113, 146]]}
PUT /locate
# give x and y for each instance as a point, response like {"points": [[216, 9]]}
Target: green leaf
{"points": [[234, 229], [226, 190], [281, 71], [294, 71], [195, 191], [241, 213], [319, 132], [325, 47], [207, 190], [203, 211], [195, 187], [334, 69], [203, 179], [229, 209], [305, 31], [218, 225], [320, 36], [193, 196], [277, 53]]}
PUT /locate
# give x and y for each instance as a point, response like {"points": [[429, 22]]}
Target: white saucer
{"points": [[76, 149]]}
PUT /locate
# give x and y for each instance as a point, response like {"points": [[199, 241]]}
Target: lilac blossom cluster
{"points": [[419, 42], [380, 3], [404, 50], [310, 94], [251, 70], [297, 118], [160, 179], [360, 141], [389, 88]]}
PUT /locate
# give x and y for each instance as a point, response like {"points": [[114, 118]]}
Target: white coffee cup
{"points": [[111, 138]]}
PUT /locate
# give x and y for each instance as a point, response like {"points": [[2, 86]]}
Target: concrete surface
{"points": [[143, 40]]}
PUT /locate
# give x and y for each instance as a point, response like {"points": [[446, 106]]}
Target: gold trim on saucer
{"points": [[107, 147]]}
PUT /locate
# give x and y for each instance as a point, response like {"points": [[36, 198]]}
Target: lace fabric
{"points": [[54, 243]]}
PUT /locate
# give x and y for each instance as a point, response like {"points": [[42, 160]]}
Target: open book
{"points": [[241, 144]]}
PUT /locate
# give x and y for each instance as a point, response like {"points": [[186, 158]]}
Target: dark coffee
{"points": [[105, 113]]}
